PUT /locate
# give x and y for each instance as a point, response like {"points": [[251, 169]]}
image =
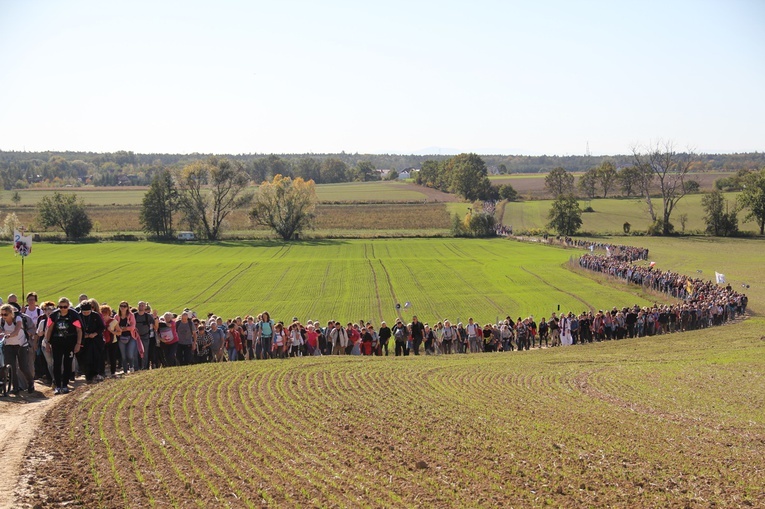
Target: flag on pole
{"points": [[608, 251], [592, 248], [720, 278], [22, 245], [688, 287], [652, 264]]}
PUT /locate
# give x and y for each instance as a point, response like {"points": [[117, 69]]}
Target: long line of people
{"points": [[703, 303], [54, 341]]}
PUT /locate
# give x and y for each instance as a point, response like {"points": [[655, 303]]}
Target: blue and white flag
{"points": [[720, 278], [21, 244]]}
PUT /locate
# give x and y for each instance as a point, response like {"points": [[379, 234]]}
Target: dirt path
{"points": [[20, 416]]}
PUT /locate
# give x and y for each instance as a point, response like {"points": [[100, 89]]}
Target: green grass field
{"points": [[354, 279], [611, 214], [348, 280]]}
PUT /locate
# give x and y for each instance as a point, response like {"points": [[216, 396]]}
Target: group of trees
{"points": [[721, 217], [720, 220], [329, 170], [603, 179], [207, 192], [657, 166], [464, 175], [19, 170], [22, 169]]}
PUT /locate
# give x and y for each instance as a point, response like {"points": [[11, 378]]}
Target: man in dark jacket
{"points": [[92, 341], [417, 331]]}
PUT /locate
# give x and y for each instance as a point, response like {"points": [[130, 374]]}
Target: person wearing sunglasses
{"points": [[128, 338], [16, 347], [64, 334]]}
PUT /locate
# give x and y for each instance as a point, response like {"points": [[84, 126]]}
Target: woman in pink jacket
{"points": [[128, 339]]}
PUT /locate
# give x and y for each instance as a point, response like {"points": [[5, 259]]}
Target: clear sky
{"points": [[507, 77]]}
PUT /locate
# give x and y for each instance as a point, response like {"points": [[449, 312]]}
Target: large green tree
{"points": [[159, 204], [209, 191], [464, 175], [588, 183], [468, 177], [721, 222], [606, 177], [333, 170], [559, 182], [285, 205], [507, 192], [365, 171], [432, 174], [753, 198], [565, 215], [629, 180], [65, 212]]}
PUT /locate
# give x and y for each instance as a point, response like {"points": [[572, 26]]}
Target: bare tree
{"points": [[661, 162]]}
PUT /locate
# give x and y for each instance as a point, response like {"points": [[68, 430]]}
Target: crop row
{"points": [[592, 426]]}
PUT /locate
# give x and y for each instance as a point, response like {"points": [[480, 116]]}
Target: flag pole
{"points": [[22, 276]]}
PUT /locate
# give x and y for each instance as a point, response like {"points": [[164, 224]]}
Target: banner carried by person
{"points": [[720, 278], [22, 245]]}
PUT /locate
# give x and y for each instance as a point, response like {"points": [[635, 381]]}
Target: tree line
{"points": [[19, 170], [128, 169]]}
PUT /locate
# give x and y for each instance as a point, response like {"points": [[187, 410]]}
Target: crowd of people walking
{"points": [[56, 340]]}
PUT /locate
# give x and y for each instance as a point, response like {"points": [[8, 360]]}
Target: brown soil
{"points": [[350, 432], [21, 418]]}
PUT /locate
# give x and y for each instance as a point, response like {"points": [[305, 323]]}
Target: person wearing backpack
{"points": [[33, 312], [64, 333], [16, 348], [30, 333]]}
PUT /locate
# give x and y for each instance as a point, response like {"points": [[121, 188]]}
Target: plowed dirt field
{"points": [[669, 421]]}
